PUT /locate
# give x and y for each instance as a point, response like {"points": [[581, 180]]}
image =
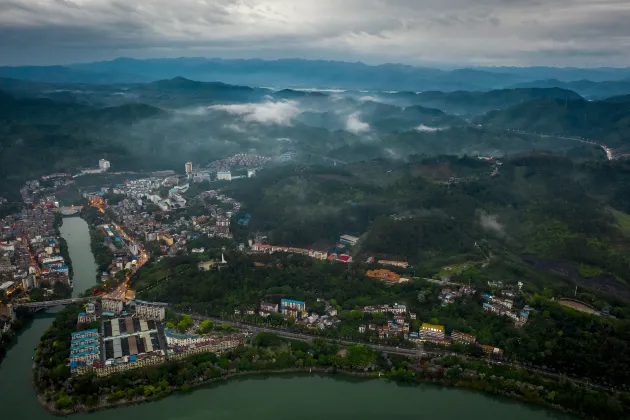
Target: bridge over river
{"points": [[52, 303], [69, 211]]}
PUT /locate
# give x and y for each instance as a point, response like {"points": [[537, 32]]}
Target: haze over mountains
{"points": [[593, 83], [72, 114]]}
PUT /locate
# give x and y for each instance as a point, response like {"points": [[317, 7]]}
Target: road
{"points": [[122, 290], [307, 337], [416, 352], [609, 152]]}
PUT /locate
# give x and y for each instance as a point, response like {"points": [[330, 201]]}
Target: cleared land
{"points": [[582, 307]]}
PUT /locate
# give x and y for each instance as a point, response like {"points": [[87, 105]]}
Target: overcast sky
{"points": [[589, 33]]}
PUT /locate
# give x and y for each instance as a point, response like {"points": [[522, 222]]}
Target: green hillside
{"points": [[604, 121], [470, 102]]}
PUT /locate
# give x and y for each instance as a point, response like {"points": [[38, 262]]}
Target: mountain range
{"points": [[327, 74]]}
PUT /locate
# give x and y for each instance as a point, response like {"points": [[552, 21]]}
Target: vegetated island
{"points": [[62, 392]]}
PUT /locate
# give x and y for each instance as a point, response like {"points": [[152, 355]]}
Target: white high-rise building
{"points": [[103, 164], [189, 169]]}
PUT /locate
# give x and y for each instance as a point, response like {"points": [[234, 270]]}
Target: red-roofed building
{"points": [[345, 258]]}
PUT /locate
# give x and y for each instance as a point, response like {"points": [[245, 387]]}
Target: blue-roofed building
{"points": [[85, 333], [78, 341], [292, 308], [293, 304], [83, 347], [86, 356]]}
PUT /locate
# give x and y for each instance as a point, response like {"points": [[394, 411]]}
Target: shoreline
{"points": [[319, 370]]}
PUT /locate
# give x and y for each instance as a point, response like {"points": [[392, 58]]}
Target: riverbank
{"points": [[316, 370], [23, 317], [267, 354]]}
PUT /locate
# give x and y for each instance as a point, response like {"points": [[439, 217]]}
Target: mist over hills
{"points": [[327, 74], [163, 123]]}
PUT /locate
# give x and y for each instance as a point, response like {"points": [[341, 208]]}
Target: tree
{"points": [[64, 402], [206, 326]]}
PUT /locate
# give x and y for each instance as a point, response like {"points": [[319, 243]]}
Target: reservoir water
{"points": [[277, 397]]}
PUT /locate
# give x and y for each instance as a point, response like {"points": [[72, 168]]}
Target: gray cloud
{"points": [[501, 32]]}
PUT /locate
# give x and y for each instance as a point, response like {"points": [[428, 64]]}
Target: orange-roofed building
{"points": [[383, 274]]}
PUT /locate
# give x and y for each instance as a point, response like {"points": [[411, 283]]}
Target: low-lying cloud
{"points": [[427, 129], [491, 223], [355, 125], [267, 113]]}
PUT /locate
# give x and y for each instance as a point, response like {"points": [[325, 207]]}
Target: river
{"points": [[76, 232], [281, 397]]}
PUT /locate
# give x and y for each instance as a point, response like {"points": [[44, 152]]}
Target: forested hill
{"points": [[46, 111], [604, 121], [39, 136], [465, 102], [537, 207]]}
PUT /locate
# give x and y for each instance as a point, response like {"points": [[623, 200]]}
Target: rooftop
{"points": [[179, 336], [92, 331], [299, 302], [432, 326]]}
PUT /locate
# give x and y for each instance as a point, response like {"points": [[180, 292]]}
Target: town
{"points": [[145, 218]]}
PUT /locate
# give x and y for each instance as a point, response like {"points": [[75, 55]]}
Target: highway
{"points": [[418, 351]]}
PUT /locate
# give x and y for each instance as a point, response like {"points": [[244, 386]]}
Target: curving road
{"points": [[609, 152]]}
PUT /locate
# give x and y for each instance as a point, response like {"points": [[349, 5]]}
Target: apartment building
{"points": [[111, 305], [463, 338], [146, 310]]}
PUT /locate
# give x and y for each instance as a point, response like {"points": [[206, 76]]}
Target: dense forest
{"points": [[548, 206], [603, 121]]}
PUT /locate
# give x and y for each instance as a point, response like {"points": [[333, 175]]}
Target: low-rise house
{"points": [[492, 351], [402, 264], [395, 309], [267, 308], [463, 338]]}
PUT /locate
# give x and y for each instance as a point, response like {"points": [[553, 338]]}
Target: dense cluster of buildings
{"points": [[30, 251], [504, 306], [117, 337], [398, 325], [185, 344], [297, 311], [241, 160], [172, 232]]}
